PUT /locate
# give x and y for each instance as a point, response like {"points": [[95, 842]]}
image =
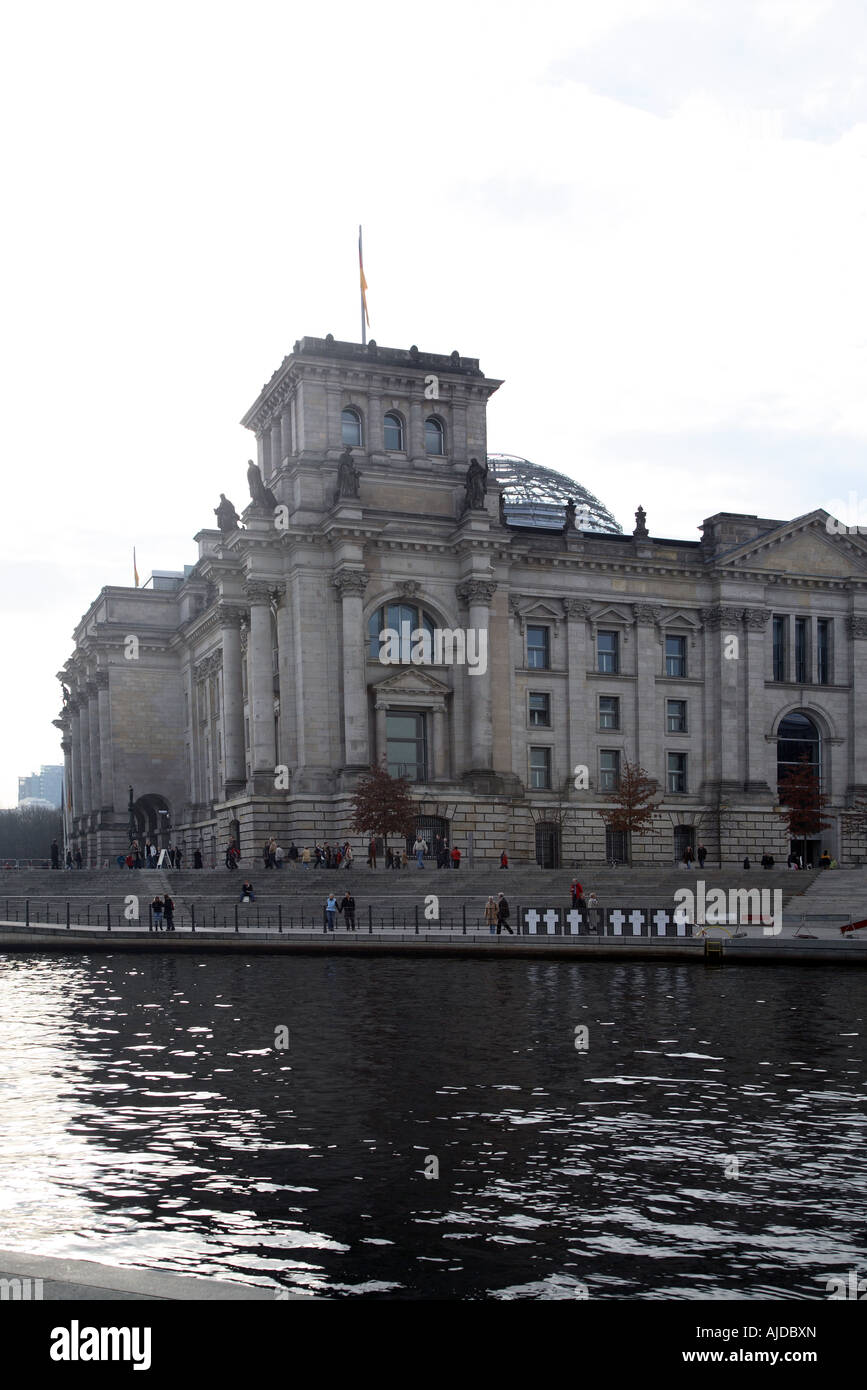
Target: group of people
{"points": [[162, 914], [588, 907], [497, 914], [346, 906], [691, 856], [146, 856]]}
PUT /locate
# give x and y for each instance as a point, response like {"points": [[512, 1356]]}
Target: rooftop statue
{"points": [[261, 495], [227, 517], [570, 515], [476, 486], [347, 476], [640, 524]]}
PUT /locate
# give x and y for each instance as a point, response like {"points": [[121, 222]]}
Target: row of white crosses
{"points": [[639, 922]]}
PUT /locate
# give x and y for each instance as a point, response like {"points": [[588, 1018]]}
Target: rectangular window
{"points": [[608, 652], [609, 769], [780, 630], [675, 656], [677, 772], [801, 674], [405, 737], [537, 648], [675, 716], [823, 651], [540, 768], [540, 709], [609, 711]]}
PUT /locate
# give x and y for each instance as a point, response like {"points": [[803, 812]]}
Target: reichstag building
{"points": [[244, 695]]}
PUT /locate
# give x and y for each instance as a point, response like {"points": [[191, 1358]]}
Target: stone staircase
{"points": [[295, 896]]}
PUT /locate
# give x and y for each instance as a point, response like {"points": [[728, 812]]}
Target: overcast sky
{"points": [[649, 218]]}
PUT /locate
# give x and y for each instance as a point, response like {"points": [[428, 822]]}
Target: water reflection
{"points": [[706, 1144]]}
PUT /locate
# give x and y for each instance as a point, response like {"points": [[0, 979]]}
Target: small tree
{"points": [[631, 802], [802, 801], [383, 805]]}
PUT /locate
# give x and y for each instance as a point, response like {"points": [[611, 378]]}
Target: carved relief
{"points": [[350, 581], [476, 590]]}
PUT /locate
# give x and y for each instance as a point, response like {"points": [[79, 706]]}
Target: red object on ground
{"points": [[853, 926]]}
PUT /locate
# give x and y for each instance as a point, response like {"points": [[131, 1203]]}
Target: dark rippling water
{"points": [[147, 1118]]}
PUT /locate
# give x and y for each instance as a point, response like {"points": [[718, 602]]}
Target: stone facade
{"points": [[244, 696]]}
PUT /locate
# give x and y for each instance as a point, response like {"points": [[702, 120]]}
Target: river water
{"points": [[707, 1141]]}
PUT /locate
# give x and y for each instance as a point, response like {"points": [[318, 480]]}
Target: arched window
{"points": [[797, 739], [434, 436], [402, 619], [393, 431], [351, 425]]}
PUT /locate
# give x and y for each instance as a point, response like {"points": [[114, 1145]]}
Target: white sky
{"points": [[650, 218]]}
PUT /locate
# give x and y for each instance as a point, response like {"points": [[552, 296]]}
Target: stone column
{"points": [[95, 746], [854, 670], [415, 424], [287, 750], [351, 584], [264, 442], [440, 769], [723, 746], [381, 734], [233, 700], [263, 749], [375, 434], [577, 614], [84, 745], [75, 737], [758, 751], [285, 433], [477, 594], [276, 444], [106, 765]]}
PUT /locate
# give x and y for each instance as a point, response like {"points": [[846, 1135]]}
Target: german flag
{"points": [[134, 568], [362, 281]]}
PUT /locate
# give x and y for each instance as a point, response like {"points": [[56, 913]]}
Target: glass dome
{"points": [[536, 496]]}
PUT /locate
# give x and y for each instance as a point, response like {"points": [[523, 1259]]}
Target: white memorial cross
{"points": [[680, 920], [636, 918], [617, 919], [660, 919], [573, 917], [531, 917], [551, 918]]}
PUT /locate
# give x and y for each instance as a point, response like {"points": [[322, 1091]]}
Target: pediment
{"points": [[678, 617], [412, 680], [612, 613], [806, 547]]}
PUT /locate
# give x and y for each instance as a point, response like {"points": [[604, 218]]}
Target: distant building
{"points": [[42, 788], [244, 696]]}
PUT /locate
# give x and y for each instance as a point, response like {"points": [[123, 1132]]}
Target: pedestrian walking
{"points": [[371, 853], [279, 856], [701, 854], [503, 915], [404, 859], [491, 913], [593, 911], [419, 849], [305, 857], [232, 855], [179, 857], [157, 913], [78, 859], [169, 912], [347, 907], [293, 855], [348, 857], [504, 860], [688, 856], [456, 858], [330, 912], [55, 855], [576, 891], [69, 859]]}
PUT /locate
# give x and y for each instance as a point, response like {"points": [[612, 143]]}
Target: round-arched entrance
{"points": [[152, 818], [799, 751]]}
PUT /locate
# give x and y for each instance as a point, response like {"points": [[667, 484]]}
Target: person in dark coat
{"points": [[157, 914], [503, 915], [55, 855], [197, 859], [78, 859], [247, 891], [169, 910], [347, 907], [701, 854]]}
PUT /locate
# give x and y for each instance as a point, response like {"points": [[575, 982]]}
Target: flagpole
{"points": [[361, 291]]}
